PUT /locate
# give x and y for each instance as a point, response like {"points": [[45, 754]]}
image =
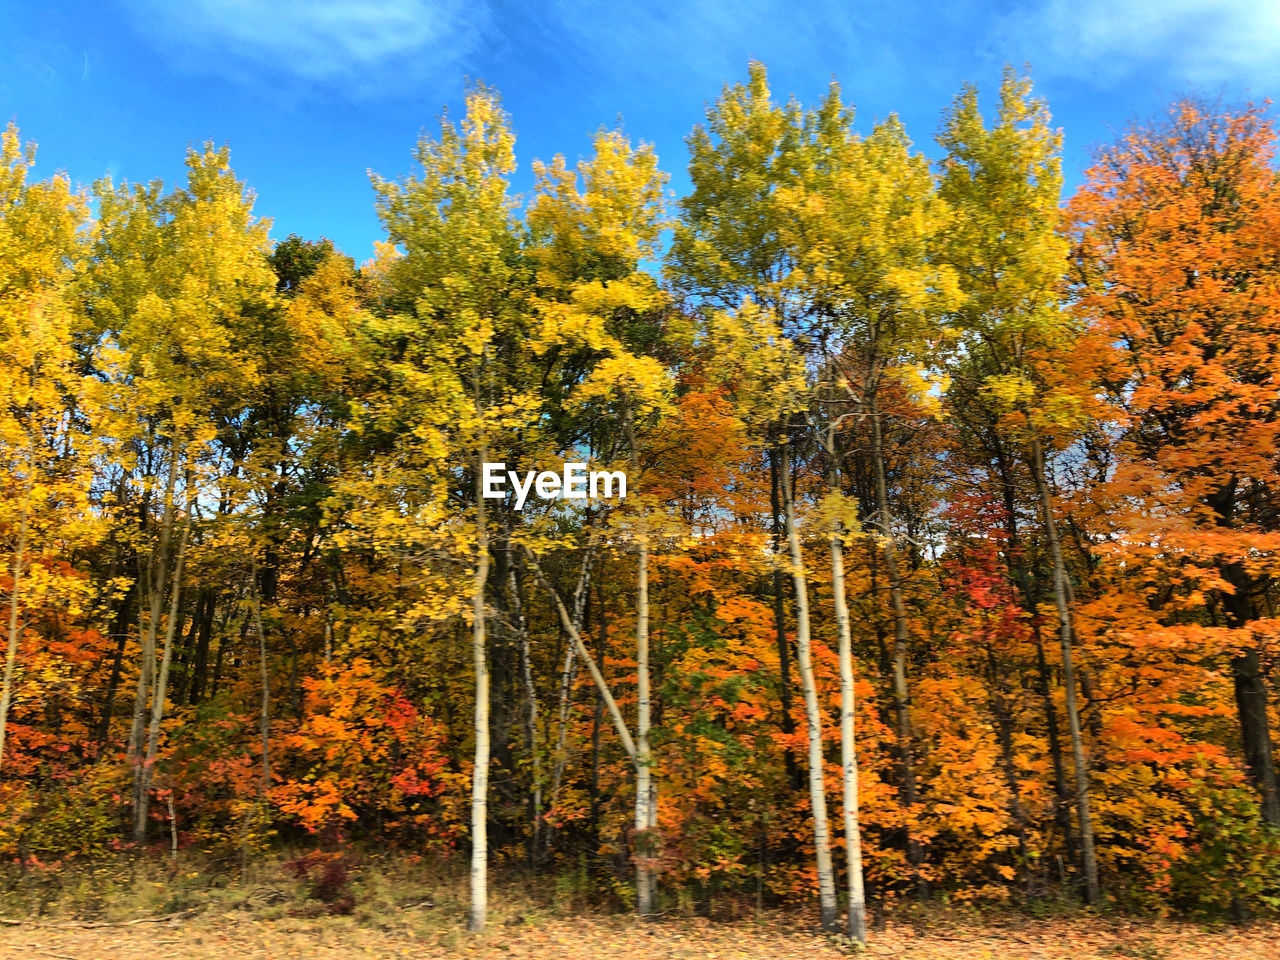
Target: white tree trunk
{"points": [[531, 711], [480, 774], [575, 638], [645, 816], [567, 676], [813, 714], [857, 927], [266, 690], [646, 813]]}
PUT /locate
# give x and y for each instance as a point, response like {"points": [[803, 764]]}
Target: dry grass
{"points": [[409, 910]]}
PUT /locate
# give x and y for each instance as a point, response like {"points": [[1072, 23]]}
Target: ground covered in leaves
{"points": [[330, 907], [240, 934]]}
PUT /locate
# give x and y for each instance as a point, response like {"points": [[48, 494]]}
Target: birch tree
{"points": [[864, 227], [592, 228], [729, 253], [456, 269]]}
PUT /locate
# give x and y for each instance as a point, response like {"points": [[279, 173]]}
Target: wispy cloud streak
{"points": [[1202, 42], [361, 47]]}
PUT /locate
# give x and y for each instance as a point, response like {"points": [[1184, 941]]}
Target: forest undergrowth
{"points": [[328, 905]]}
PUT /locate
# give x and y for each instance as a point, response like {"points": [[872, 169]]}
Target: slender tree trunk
{"points": [[644, 784], [181, 669], [645, 814], [221, 633], [1004, 715], [813, 715], [15, 623], [480, 775], [504, 678], [146, 666], [601, 637], [780, 629], [265, 721], [575, 638], [901, 635], [531, 709], [568, 674], [157, 569], [161, 685], [646, 817], [1089, 862], [646, 796], [560, 759], [200, 658], [120, 623], [1018, 567], [222, 646], [873, 575], [120, 631], [857, 926], [173, 823], [1062, 794]]}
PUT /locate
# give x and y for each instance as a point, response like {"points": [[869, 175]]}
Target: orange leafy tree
{"points": [[1176, 268]]}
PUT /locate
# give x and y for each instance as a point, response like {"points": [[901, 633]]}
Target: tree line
{"points": [[951, 505]]}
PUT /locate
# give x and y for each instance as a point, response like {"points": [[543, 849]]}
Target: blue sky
{"points": [[310, 94]]}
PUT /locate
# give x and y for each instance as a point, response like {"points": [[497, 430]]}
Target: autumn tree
{"points": [[45, 406], [730, 251], [1174, 264], [877, 453], [175, 284], [460, 279], [1004, 182], [592, 228], [866, 227], [726, 249]]}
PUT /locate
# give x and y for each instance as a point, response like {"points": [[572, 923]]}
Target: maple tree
{"points": [[1174, 264]]}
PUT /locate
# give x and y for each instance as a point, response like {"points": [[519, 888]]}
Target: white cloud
{"points": [[1201, 42], [359, 45]]}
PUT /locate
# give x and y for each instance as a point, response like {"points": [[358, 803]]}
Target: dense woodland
{"points": [[947, 567]]}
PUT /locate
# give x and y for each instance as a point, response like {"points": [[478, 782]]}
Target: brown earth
{"points": [[237, 935]]}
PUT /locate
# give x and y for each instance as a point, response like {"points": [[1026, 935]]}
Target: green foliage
{"points": [[1234, 861]]}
